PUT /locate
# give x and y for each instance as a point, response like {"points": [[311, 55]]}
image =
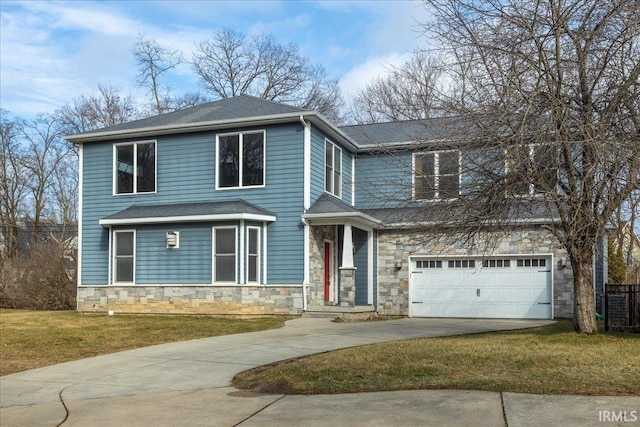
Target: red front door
{"points": [[328, 254]]}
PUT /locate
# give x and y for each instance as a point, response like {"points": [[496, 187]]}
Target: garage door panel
{"points": [[518, 287]]}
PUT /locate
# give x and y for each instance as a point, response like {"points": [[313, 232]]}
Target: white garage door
{"points": [[506, 287]]}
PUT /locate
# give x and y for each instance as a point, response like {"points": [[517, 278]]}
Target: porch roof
{"points": [[188, 212], [331, 210]]}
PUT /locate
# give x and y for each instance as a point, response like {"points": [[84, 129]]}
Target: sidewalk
{"points": [[189, 383]]}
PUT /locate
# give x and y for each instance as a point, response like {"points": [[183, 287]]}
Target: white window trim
{"points": [[264, 254], [114, 264], [335, 150], [258, 257], [114, 169], [436, 174], [213, 253], [240, 166]]}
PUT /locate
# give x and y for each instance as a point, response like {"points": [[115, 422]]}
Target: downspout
{"points": [[306, 206], [80, 234], [305, 280]]}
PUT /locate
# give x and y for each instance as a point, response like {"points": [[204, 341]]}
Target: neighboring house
{"points": [[249, 207], [630, 250], [45, 233]]}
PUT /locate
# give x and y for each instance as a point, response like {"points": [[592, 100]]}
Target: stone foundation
{"points": [[397, 245], [213, 300]]}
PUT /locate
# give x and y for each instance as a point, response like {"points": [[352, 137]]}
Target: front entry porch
{"points": [[341, 271]]}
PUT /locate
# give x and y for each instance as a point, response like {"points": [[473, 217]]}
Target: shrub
{"points": [[42, 280]]}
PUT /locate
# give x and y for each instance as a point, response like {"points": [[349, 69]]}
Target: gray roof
{"points": [[456, 213], [185, 210], [329, 204], [228, 109], [404, 131]]}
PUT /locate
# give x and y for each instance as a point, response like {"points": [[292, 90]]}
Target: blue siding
{"points": [[360, 261], [188, 264], [186, 173], [383, 180], [317, 167]]}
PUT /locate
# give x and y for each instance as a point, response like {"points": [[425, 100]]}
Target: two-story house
{"points": [[249, 207]]}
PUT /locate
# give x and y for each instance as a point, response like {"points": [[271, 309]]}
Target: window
{"points": [[462, 263], [437, 175], [241, 158], [496, 263], [532, 169], [224, 254], [135, 168], [535, 262], [429, 264], [332, 169], [253, 255], [124, 256]]}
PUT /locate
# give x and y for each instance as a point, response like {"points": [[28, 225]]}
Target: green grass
{"points": [[32, 339], [547, 360]]}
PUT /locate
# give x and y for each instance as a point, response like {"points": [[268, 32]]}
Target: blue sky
{"points": [[54, 51]]}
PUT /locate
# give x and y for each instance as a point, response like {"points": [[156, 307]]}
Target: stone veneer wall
{"points": [[215, 300], [316, 261], [395, 245]]}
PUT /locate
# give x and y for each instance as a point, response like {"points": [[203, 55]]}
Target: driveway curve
{"points": [[190, 382]]}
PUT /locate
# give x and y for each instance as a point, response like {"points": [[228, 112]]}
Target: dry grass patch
{"points": [[547, 360], [33, 339]]}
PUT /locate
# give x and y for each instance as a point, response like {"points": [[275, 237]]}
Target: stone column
{"points": [[347, 269], [348, 286]]}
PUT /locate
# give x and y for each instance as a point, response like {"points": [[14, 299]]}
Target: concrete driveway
{"points": [[189, 383]]}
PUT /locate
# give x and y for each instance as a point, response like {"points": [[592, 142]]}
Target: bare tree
{"points": [[153, 61], [187, 100], [230, 64], [46, 154], [553, 86], [12, 183], [323, 95], [405, 92], [91, 112]]}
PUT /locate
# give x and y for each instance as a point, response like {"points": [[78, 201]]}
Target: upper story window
{"points": [[332, 169], [241, 159], [135, 168], [437, 175], [532, 169]]}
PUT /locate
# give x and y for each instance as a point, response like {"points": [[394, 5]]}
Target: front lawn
{"points": [[547, 360], [32, 339]]}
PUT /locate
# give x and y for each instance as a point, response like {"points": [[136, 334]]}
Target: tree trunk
{"points": [[584, 309]]}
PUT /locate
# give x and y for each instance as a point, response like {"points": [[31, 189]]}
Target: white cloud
{"points": [[53, 52], [360, 75]]}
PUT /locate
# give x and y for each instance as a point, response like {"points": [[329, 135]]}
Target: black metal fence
{"points": [[622, 308]]}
